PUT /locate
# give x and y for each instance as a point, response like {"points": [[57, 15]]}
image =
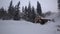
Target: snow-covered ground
{"points": [[24, 27]]}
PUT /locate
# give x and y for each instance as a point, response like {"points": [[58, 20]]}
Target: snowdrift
{"points": [[24, 27]]}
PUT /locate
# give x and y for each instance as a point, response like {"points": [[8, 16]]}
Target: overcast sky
{"points": [[47, 5]]}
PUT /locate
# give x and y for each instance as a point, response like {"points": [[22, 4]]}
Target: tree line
{"points": [[28, 13]]}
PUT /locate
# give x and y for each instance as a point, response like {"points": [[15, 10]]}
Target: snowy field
{"points": [[24, 27]]}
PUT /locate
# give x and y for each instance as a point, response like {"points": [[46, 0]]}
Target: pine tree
{"points": [[17, 16], [26, 11], [29, 11], [29, 7], [2, 12], [11, 10], [58, 4], [58, 1], [33, 14], [23, 9], [39, 11], [26, 14]]}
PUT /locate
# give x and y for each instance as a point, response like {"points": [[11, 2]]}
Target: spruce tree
{"points": [[58, 4], [33, 14], [11, 10], [29, 11], [39, 11], [26, 13], [2, 12], [17, 16], [23, 9]]}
